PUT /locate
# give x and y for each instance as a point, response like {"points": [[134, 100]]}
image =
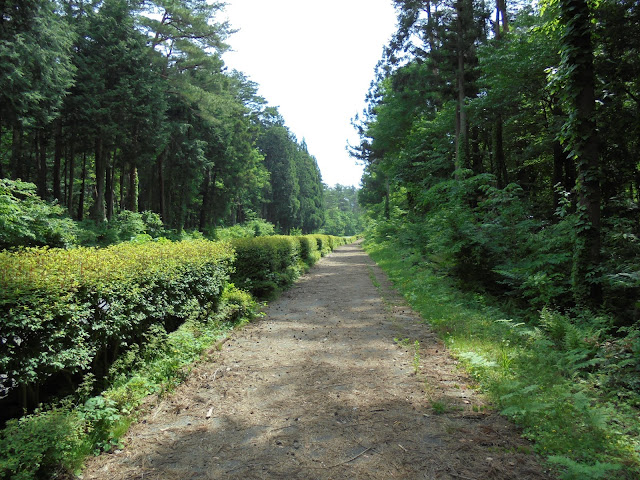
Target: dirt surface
{"points": [[325, 387]]}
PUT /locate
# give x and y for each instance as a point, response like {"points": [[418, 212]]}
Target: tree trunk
{"points": [[462, 144], [123, 180], [387, 194], [163, 205], [16, 153], [71, 161], [577, 56], [502, 177], [41, 155], [83, 188], [558, 167], [132, 191], [502, 6], [109, 187], [98, 211], [204, 210], [57, 157], [476, 156]]}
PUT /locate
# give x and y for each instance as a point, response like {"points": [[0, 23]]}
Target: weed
{"points": [[439, 408], [373, 278], [403, 342]]}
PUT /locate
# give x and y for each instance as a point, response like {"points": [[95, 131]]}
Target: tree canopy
{"points": [[128, 106], [507, 134]]}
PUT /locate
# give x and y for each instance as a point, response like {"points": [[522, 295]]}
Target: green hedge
{"points": [[70, 311], [83, 312], [267, 264]]}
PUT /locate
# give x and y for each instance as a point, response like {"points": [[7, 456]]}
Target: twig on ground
{"points": [[282, 428], [347, 461]]}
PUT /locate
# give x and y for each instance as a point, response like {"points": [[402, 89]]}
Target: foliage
{"points": [[47, 441], [188, 281], [65, 309], [28, 221], [562, 378], [343, 216], [56, 440], [114, 107], [250, 228], [265, 265]]}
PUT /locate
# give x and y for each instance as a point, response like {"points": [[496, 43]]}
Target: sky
{"points": [[314, 60]]}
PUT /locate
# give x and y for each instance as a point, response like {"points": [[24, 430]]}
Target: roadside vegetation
{"points": [[502, 182], [569, 382]]}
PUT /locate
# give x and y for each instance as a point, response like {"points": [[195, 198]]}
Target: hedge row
{"points": [[69, 312], [267, 264]]}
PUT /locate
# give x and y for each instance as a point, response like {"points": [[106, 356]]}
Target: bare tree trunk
{"points": [[98, 211], [123, 180], [462, 144], [204, 210], [57, 157], [500, 160], [502, 6], [71, 161], [109, 188], [83, 188], [163, 205], [16, 153], [41, 155]]}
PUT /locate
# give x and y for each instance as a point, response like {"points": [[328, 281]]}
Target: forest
{"points": [[127, 106], [506, 142], [501, 143]]}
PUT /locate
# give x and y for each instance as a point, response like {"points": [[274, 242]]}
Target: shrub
{"points": [[41, 442], [265, 264], [309, 251], [28, 221], [65, 311]]}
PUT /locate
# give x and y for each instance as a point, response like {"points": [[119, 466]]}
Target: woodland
{"points": [[113, 106], [501, 143]]}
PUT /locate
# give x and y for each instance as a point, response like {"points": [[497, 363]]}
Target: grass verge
{"points": [[542, 376]]}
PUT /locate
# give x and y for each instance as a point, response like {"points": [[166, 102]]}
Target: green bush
{"points": [[325, 243], [42, 442], [309, 251], [28, 221], [65, 311], [251, 228], [265, 264]]}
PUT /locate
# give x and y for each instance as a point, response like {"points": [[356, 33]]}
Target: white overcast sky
{"points": [[314, 60]]}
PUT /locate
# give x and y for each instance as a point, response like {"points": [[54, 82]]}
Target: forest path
{"points": [[319, 389]]}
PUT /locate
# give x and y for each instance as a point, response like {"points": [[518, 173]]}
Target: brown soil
{"points": [[319, 389]]}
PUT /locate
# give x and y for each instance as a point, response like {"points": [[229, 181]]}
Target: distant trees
{"points": [[112, 105], [343, 215]]}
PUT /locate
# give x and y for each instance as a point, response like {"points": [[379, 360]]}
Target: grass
{"points": [[583, 431]]}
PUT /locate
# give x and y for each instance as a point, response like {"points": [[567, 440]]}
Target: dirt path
{"points": [[319, 389]]}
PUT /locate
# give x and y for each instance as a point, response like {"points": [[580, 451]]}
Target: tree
{"points": [[35, 51], [581, 140]]}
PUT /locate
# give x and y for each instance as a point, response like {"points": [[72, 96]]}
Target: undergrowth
{"points": [[54, 441], [565, 382]]}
